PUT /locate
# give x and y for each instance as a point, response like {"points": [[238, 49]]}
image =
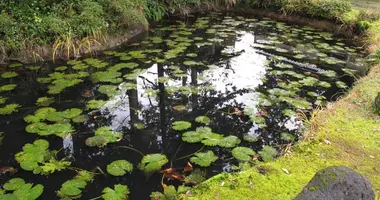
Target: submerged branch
{"points": [[130, 148], [183, 157]]}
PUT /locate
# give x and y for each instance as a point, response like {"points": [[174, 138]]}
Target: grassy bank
{"points": [[345, 133], [69, 28]]}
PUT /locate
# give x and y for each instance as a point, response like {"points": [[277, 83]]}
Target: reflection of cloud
{"points": [[144, 83], [293, 124], [245, 72], [117, 108]]}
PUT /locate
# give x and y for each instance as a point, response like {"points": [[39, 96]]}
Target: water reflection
{"points": [[251, 78]]}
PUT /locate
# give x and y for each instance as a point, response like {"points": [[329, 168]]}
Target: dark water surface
{"points": [[253, 79]]}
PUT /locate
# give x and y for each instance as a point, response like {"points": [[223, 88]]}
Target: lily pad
{"points": [[95, 104], [243, 153], [80, 119], [44, 101], [9, 74], [120, 192], [181, 125], [21, 190], [109, 90], [202, 119], [250, 138], [152, 162], [72, 189], [229, 141], [8, 87], [119, 168], [9, 109], [268, 153], [32, 155], [341, 84], [103, 136], [287, 137], [204, 159]]}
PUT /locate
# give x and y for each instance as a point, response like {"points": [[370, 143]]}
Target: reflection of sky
{"points": [[245, 71], [119, 106], [142, 84]]}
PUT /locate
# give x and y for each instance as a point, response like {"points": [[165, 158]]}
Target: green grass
{"points": [[373, 5], [345, 133]]}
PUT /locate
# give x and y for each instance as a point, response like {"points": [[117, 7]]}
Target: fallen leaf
{"points": [[167, 171], [188, 167], [285, 170], [175, 176], [8, 169]]}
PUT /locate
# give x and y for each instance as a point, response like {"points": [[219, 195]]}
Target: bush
{"points": [[326, 9]]}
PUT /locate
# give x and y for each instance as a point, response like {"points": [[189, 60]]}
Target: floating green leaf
{"points": [[3, 99], [61, 68], [43, 129], [9, 74], [52, 166], [204, 159], [103, 136], [21, 190], [268, 153], [324, 84], [341, 84], [80, 119], [8, 87], [152, 163], [109, 90], [191, 63], [229, 141], [44, 101], [95, 104], [287, 137], [95, 62], [120, 192], [202, 119], [243, 153], [309, 81], [9, 109], [107, 77], [14, 184], [289, 113], [72, 189], [197, 176], [119, 168], [32, 155], [181, 125], [250, 138], [14, 65]]}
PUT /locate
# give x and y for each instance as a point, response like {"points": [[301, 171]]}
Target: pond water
{"points": [[224, 82]]}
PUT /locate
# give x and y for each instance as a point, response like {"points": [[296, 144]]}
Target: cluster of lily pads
{"points": [[301, 67]]}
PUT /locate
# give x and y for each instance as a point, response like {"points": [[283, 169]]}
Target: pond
{"points": [[193, 99]]}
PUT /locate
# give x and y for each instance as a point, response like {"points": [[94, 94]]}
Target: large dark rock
{"points": [[337, 183], [377, 103]]}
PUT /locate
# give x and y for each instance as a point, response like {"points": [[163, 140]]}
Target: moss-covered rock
{"points": [[337, 182], [377, 104]]}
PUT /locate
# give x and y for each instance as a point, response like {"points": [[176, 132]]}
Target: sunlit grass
{"points": [[373, 5]]}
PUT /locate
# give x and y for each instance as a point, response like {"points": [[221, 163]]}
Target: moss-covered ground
{"points": [[346, 132]]}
